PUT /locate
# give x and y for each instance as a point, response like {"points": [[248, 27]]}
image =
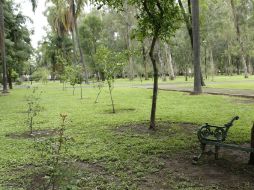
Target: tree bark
{"points": [[229, 70], [75, 28], [144, 60], [239, 39], [128, 41], [188, 19], [169, 61], [251, 161], [2, 47], [196, 47], [81, 53], [162, 64], [74, 48], [111, 97], [155, 83], [130, 59], [212, 64], [9, 79]]}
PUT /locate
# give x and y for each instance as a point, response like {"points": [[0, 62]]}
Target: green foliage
{"points": [[104, 149], [14, 75], [41, 74], [110, 63], [54, 155], [17, 38]]}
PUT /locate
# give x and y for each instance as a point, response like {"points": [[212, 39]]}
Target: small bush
{"points": [[41, 75]]}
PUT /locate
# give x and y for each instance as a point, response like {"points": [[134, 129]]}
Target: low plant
{"points": [[33, 108], [53, 152]]}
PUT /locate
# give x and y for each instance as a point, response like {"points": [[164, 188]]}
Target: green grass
{"points": [[128, 156], [228, 82]]}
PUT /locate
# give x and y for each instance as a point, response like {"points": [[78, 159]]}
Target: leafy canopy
{"points": [[158, 18]]}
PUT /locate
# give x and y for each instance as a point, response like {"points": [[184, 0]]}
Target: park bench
{"points": [[216, 136]]}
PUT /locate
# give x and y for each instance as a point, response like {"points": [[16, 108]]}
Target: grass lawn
{"points": [[227, 82], [116, 151]]}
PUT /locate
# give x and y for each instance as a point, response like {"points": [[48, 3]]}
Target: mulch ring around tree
{"points": [[75, 173], [164, 127], [35, 134]]}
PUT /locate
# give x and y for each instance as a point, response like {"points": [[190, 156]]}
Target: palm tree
{"points": [[196, 47], [67, 14], [75, 9], [2, 43]]}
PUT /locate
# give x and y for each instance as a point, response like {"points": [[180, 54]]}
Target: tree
{"points": [[17, 42], [2, 43], [90, 30], [75, 8], [188, 19], [156, 19], [110, 63], [239, 37], [196, 47], [2, 47]]}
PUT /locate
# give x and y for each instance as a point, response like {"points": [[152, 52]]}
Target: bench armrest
{"points": [[230, 124]]}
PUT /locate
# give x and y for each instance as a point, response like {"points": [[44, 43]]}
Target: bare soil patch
{"points": [[230, 171], [119, 110], [167, 128], [35, 134], [77, 173]]}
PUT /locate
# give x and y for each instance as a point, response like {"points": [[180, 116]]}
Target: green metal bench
{"points": [[216, 135]]}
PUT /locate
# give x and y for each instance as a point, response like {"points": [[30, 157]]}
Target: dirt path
{"points": [[215, 91]]}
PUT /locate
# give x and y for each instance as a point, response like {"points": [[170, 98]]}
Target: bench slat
{"points": [[230, 146]]}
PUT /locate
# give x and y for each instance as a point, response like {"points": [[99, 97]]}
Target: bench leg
{"points": [[216, 154], [196, 158]]}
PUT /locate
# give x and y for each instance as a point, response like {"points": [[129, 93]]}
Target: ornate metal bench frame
{"points": [[216, 135]]}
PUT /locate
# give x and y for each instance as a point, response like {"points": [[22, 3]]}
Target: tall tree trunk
{"points": [[9, 79], [162, 64], [212, 64], [155, 83], [249, 64], [239, 39], [128, 39], [144, 60], [2, 47], [188, 19], [229, 70], [169, 61], [130, 58], [206, 75], [81, 53], [251, 161], [196, 47], [74, 47]]}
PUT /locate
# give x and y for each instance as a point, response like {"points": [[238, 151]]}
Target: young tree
{"points": [[157, 19], [110, 63]]}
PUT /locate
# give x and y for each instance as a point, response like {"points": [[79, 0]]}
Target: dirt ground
{"points": [[230, 171]]}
